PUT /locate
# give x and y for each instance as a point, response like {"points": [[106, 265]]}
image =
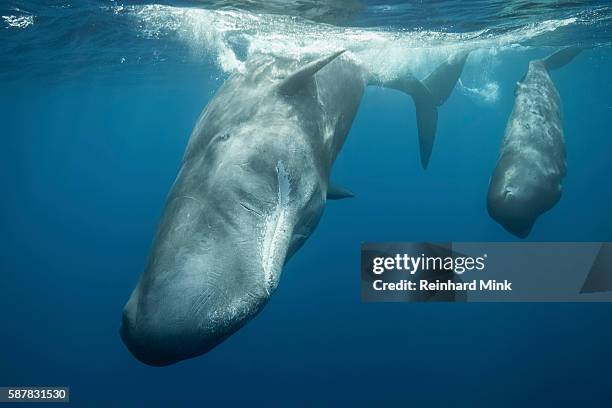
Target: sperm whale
{"points": [[252, 187], [527, 179]]}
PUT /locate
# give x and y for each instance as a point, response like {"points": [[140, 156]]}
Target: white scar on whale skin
{"points": [[276, 231]]}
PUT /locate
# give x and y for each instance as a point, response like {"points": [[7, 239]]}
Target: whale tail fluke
{"points": [[432, 92], [561, 58], [428, 95], [442, 80], [437, 88], [427, 121]]}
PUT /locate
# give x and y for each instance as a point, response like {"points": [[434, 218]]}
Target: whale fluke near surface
{"points": [[442, 80], [428, 95], [440, 84], [526, 181]]}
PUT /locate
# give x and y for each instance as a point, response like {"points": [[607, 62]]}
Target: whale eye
{"points": [[225, 136]]}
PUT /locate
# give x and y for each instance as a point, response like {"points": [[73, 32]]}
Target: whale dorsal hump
{"points": [[300, 78]]}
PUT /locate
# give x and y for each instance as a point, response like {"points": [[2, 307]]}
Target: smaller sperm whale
{"points": [[527, 179]]}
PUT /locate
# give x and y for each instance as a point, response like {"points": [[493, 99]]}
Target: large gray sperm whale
{"points": [[251, 189], [526, 181]]}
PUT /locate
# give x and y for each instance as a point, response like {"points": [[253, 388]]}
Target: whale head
{"points": [[517, 197], [511, 208], [247, 196]]}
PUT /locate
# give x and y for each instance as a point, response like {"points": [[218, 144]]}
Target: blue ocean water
{"points": [[97, 101]]}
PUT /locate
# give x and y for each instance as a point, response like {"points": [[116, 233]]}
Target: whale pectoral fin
{"points": [[335, 192], [301, 78]]}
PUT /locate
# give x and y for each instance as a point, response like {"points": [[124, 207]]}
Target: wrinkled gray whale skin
{"points": [[251, 189], [527, 179]]}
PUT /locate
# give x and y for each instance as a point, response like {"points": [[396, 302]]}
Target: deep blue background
{"points": [[85, 166]]}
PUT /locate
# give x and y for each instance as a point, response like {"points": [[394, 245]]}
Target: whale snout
{"points": [[512, 210], [170, 336], [188, 310], [161, 345]]}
